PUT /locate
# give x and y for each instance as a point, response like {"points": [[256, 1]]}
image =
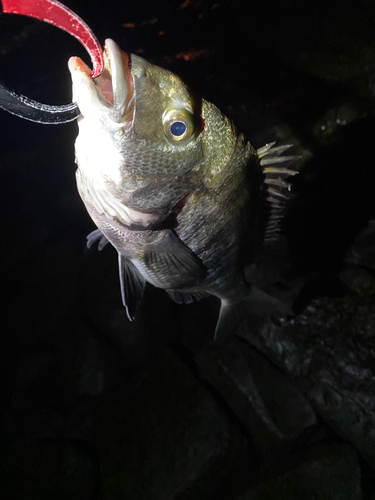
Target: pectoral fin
{"points": [[171, 263], [132, 285]]}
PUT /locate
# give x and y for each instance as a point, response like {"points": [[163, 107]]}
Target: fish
{"points": [[171, 183]]}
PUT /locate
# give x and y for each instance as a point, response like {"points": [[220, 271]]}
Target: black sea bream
{"points": [[173, 185]]}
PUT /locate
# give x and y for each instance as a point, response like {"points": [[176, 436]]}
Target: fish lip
{"points": [[118, 65], [113, 91]]}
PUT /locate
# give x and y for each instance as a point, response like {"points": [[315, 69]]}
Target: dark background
{"points": [[291, 71]]}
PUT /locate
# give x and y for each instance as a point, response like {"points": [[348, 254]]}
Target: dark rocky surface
{"points": [[273, 412], [322, 472], [96, 407], [188, 448], [329, 350]]}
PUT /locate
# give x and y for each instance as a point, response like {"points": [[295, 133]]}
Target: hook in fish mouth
{"points": [[111, 92]]}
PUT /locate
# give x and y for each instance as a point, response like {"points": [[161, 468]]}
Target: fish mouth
{"points": [[112, 92]]}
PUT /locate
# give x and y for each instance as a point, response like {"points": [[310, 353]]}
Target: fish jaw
{"points": [[107, 108], [111, 95]]}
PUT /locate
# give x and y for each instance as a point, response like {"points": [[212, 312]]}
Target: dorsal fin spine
{"points": [[275, 172]]}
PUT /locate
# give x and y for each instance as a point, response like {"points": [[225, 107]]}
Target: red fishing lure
{"points": [[57, 14], [53, 12]]}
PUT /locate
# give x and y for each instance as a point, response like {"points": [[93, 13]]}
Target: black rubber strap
{"points": [[34, 111]]}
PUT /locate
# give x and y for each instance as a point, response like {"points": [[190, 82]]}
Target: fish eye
{"points": [[178, 124], [178, 128]]}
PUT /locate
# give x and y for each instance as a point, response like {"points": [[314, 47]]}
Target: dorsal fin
{"points": [[275, 187]]}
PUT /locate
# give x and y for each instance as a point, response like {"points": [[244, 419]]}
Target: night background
{"points": [[96, 407]]}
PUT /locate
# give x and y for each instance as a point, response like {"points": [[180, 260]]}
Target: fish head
{"points": [[139, 132], [167, 113]]}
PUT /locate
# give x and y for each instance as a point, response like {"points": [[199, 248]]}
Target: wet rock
{"points": [[34, 408], [91, 362], [55, 390], [335, 118], [329, 350], [45, 469], [320, 51], [325, 472], [358, 280], [168, 438], [268, 405], [362, 251]]}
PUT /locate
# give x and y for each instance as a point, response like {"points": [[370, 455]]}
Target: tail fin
{"points": [[257, 304]]}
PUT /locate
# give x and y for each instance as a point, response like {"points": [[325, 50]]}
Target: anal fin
{"points": [[186, 298]]}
